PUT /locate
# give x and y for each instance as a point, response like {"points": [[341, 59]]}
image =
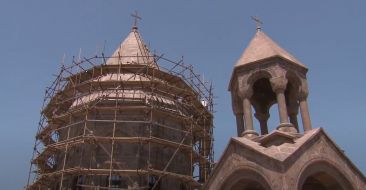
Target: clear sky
{"points": [[327, 36]]}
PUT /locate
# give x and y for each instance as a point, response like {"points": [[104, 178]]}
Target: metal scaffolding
{"points": [[124, 126]]}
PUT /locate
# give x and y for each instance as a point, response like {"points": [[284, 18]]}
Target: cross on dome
{"points": [[136, 18], [258, 22]]}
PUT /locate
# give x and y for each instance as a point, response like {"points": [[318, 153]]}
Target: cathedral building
{"points": [[132, 120], [294, 156]]}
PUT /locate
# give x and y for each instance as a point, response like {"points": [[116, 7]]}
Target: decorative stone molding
{"points": [[278, 84], [276, 70], [287, 127], [249, 134]]}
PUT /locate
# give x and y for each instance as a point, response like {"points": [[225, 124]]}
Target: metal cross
{"points": [[137, 17], [257, 21]]}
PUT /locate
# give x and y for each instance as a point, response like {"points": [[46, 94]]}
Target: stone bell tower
{"points": [[294, 156], [265, 75]]}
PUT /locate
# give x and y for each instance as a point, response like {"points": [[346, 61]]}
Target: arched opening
{"points": [[262, 99], [321, 181], [245, 179], [321, 175]]}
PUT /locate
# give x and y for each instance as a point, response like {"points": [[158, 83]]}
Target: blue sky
{"points": [[327, 36]]}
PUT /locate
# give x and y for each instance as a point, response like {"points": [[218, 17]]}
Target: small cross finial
{"points": [[258, 22], [137, 17]]}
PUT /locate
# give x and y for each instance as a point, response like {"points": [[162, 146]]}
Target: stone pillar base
{"points": [[249, 134], [287, 127]]}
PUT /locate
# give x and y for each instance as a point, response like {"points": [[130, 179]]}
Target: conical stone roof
{"points": [[262, 47], [132, 51]]}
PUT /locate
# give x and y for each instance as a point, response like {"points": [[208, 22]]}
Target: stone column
{"points": [[238, 112], [245, 92], [279, 85], [293, 120], [303, 96], [305, 117], [282, 108], [306, 123], [292, 113], [262, 118], [248, 119], [239, 123]]}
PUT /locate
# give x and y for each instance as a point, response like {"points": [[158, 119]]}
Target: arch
{"points": [[245, 179], [322, 175], [263, 98], [258, 75]]}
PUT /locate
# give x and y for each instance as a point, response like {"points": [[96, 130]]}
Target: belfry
{"points": [[294, 156], [264, 75]]}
